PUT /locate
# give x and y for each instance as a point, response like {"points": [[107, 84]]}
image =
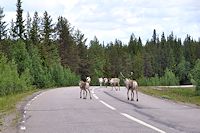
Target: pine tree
{"points": [[19, 24], [12, 34], [28, 27], [48, 48], [96, 58], [82, 54], [154, 37], [35, 29], [189, 50], [3, 30], [47, 28], [132, 45], [68, 50]]}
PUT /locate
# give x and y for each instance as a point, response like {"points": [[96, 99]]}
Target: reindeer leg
{"points": [[115, 88], [81, 93], [128, 94], [86, 94], [90, 94], [136, 93], [132, 95]]}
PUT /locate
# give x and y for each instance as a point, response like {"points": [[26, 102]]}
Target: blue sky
{"points": [[110, 19]]}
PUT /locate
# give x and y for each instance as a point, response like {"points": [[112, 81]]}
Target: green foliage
{"points": [[19, 28], [57, 55], [3, 31], [187, 95], [10, 81], [35, 29], [47, 28], [168, 79], [152, 81], [182, 71], [97, 60], [195, 74], [37, 70], [62, 76], [21, 56]]}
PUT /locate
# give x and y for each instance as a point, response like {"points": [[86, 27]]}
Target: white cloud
{"points": [[110, 19]]}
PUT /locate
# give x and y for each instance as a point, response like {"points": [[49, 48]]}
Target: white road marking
{"points": [[95, 96], [107, 105], [23, 128], [24, 112], [142, 122]]}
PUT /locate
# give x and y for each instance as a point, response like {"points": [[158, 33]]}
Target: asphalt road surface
{"points": [[62, 111]]}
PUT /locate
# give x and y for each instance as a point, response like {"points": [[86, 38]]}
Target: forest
{"points": [[37, 53]]}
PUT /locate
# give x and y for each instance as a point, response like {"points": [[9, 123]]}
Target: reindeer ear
{"points": [[131, 73]]}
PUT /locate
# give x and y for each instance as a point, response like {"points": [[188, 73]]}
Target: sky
{"points": [[111, 19]]}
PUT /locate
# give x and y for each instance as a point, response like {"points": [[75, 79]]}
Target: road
{"points": [[62, 111]]}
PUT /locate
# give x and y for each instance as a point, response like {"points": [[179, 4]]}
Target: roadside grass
{"points": [[8, 103], [186, 95]]}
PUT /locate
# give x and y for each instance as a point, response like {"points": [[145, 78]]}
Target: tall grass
{"points": [[186, 95]]}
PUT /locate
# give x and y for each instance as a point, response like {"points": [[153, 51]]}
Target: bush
{"points": [[63, 76], [10, 81], [168, 79], [195, 75]]}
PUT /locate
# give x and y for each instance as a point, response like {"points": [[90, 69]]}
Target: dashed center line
{"points": [[109, 106], [95, 96], [23, 128], [131, 117], [142, 122]]}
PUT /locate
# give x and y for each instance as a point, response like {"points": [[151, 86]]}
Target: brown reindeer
{"points": [[131, 85], [84, 86]]}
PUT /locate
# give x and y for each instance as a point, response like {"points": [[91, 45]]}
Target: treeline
{"points": [[39, 53], [159, 57]]}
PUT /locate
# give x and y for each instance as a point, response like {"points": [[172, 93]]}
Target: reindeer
{"points": [[100, 81], [105, 81], [115, 82], [84, 86], [131, 85]]}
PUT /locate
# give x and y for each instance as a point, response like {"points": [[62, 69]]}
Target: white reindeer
{"points": [[84, 86], [100, 81], [115, 82]]}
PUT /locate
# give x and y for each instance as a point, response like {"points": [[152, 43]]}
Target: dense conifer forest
{"points": [[37, 53]]}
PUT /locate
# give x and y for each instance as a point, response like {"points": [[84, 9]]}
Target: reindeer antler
{"points": [[122, 75]]}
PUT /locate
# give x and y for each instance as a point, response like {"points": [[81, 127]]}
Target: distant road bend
{"points": [[62, 111]]}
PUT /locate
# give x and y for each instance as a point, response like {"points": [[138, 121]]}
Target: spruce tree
{"points": [[19, 24], [28, 27], [47, 28], [3, 30], [35, 29]]}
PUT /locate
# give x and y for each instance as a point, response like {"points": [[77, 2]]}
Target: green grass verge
{"points": [[186, 95], [8, 103]]}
